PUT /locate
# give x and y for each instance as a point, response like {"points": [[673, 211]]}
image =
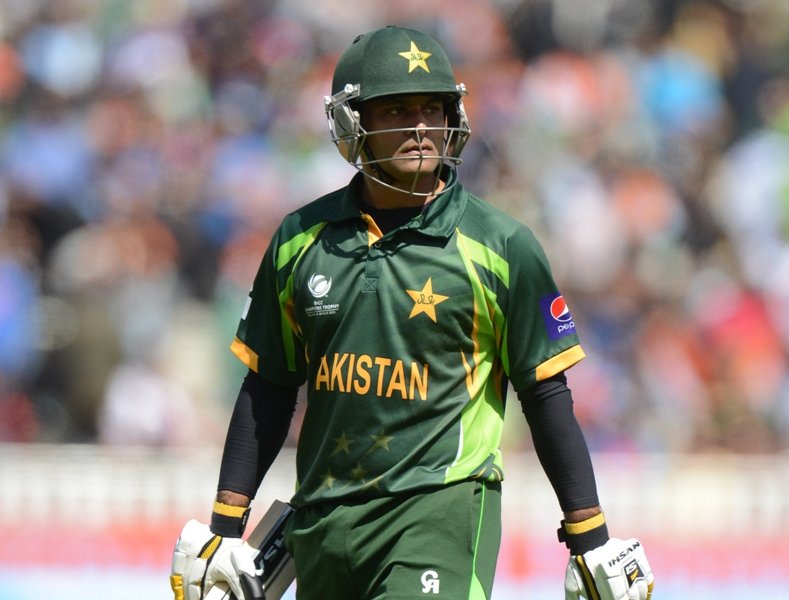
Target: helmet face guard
{"points": [[387, 62], [350, 137]]}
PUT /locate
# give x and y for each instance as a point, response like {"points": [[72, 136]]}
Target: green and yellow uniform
{"points": [[406, 341]]}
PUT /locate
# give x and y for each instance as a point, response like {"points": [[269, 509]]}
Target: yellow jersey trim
{"points": [[245, 354], [560, 362]]}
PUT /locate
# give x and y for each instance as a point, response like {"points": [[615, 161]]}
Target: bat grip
{"points": [[253, 589], [220, 591]]}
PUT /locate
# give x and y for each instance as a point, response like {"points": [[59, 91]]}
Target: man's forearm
{"points": [[576, 516], [561, 447], [256, 432], [232, 498]]}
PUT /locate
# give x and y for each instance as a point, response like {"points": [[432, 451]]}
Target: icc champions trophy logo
{"points": [[319, 285]]}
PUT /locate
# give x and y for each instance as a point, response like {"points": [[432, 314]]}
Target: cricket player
{"points": [[407, 306]]}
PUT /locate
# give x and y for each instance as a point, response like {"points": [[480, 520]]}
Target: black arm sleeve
{"points": [[559, 442], [258, 428]]}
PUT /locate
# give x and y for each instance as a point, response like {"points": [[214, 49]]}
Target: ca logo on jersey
{"points": [[430, 582]]}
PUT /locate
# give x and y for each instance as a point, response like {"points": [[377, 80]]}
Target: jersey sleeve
{"points": [[267, 339], [540, 338]]}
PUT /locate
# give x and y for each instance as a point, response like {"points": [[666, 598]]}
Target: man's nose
{"points": [[421, 123]]}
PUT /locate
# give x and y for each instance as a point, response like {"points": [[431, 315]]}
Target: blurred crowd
{"points": [[149, 148]]}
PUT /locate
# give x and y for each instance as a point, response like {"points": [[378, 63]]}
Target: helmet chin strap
{"points": [[381, 177]]}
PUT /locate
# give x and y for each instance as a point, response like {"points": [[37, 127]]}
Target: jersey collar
{"points": [[439, 219], [442, 215]]}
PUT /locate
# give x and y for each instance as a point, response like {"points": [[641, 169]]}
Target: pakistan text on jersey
{"points": [[349, 373]]}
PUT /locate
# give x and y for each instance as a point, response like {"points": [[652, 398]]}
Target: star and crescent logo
{"points": [[425, 300], [417, 59]]}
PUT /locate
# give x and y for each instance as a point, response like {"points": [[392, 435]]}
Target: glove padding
{"points": [[617, 570], [201, 559]]}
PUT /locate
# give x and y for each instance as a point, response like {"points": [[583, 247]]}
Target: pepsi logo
{"points": [[559, 310], [556, 316]]}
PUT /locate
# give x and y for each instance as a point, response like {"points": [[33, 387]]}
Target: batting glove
{"points": [[201, 559], [617, 570]]}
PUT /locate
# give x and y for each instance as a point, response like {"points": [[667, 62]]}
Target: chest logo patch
{"points": [[425, 300], [319, 285]]}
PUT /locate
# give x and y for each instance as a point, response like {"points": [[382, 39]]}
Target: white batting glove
{"points": [[201, 559], [617, 570]]}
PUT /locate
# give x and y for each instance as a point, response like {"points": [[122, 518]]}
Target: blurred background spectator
{"points": [[148, 149]]}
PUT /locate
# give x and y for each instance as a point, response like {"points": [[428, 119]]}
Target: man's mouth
{"points": [[423, 150]]}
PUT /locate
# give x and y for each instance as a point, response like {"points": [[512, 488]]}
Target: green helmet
{"points": [[394, 60], [386, 62]]}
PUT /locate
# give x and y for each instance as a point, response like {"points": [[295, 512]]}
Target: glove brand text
{"points": [[622, 555]]}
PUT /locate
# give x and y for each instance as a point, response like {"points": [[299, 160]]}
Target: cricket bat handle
{"points": [[220, 591], [272, 559]]}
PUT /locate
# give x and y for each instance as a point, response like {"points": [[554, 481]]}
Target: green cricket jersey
{"points": [[406, 340]]}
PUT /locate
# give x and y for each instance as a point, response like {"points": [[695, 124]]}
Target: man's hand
{"points": [[201, 559], [617, 570]]}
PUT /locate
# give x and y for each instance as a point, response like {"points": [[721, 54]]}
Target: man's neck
{"points": [[380, 196], [389, 219]]}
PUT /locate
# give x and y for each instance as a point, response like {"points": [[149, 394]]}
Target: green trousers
{"points": [[437, 544]]}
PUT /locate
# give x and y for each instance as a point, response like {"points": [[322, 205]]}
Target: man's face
{"points": [[411, 148]]}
